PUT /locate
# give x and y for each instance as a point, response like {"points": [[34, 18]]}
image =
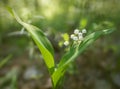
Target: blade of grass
{"points": [[4, 61]]}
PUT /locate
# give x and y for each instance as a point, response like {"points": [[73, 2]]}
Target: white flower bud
{"points": [[75, 38], [76, 31], [80, 37], [84, 31], [71, 36], [80, 34], [66, 43]]}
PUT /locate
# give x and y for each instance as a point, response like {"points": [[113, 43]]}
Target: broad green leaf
{"points": [[41, 40], [74, 52]]}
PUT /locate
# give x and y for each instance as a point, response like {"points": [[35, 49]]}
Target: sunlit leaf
{"points": [[83, 23], [41, 40]]}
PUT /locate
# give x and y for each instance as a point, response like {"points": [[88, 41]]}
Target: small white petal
{"points": [[71, 36], [80, 34], [84, 31], [66, 43], [75, 38], [76, 31]]}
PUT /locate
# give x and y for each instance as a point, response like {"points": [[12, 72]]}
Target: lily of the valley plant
{"points": [[77, 44]]}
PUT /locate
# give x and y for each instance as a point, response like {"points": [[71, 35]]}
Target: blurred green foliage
{"points": [[56, 17]]}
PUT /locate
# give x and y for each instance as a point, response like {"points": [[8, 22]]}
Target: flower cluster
{"points": [[77, 37], [66, 43]]}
